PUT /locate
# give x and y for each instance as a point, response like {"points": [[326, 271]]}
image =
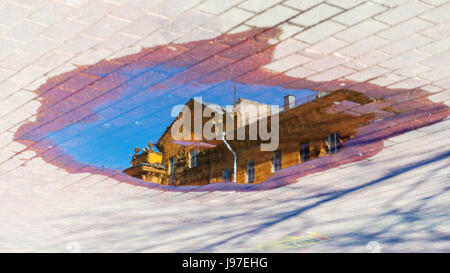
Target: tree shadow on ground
{"points": [[204, 228]]}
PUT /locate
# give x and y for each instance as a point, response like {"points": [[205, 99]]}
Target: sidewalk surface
{"points": [[391, 201]]}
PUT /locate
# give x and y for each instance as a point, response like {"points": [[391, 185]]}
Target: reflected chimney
{"points": [[289, 102]]}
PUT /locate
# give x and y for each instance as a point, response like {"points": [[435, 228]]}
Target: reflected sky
{"points": [[141, 111]]}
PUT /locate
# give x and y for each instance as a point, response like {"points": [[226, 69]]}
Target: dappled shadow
{"points": [[202, 227], [329, 198]]}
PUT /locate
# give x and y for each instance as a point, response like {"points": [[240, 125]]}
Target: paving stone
{"points": [[272, 16], [437, 46], [105, 27], [437, 61], [78, 44], [367, 74], [288, 30], [438, 15], [319, 32], [25, 31], [16, 61], [404, 60], [327, 62], [144, 25], [327, 46], [406, 44], [287, 47], [287, 63], [442, 96], [93, 11], [299, 72], [11, 13], [437, 32], [302, 5], [404, 29], [216, 7], [413, 70], [387, 79], [435, 2], [403, 12], [359, 13], [409, 83], [228, 20], [8, 46], [41, 45], [331, 74], [192, 19], [159, 37], [315, 15], [173, 8], [359, 48], [50, 13], [64, 29], [258, 6], [360, 30], [371, 58]]}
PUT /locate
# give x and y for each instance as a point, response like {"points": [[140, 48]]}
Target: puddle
{"points": [[93, 117]]}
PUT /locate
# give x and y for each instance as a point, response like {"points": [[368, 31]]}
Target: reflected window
{"points": [[250, 171], [304, 152], [226, 175], [171, 165], [193, 158], [333, 143], [276, 161]]}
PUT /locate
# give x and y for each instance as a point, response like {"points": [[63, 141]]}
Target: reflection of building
{"points": [[147, 165], [307, 131]]}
